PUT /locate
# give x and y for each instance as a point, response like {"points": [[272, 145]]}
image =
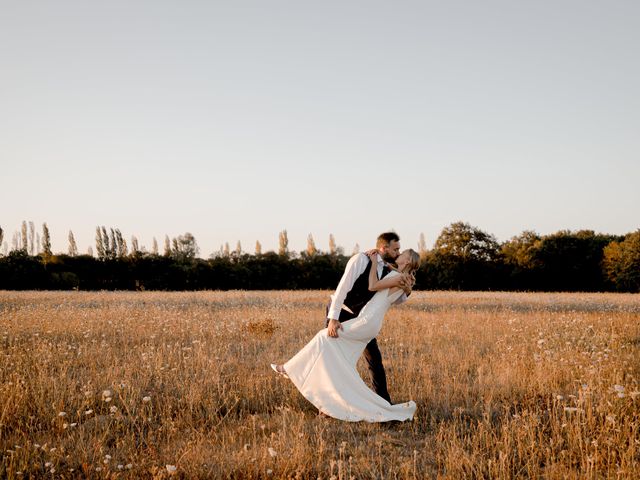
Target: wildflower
{"points": [[48, 464], [570, 409], [146, 399], [106, 393], [62, 414], [120, 466], [269, 471], [88, 412], [618, 388], [272, 452], [128, 466], [113, 409], [171, 469]]}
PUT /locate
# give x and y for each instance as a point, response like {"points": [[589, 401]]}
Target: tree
{"points": [[32, 234], [622, 262], [238, 250], [46, 240], [258, 248], [520, 250], [167, 246], [185, 247], [1, 235], [100, 244], [135, 249], [283, 241], [73, 248], [463, 257], [572, 260], [422, 246], [90, 251], [332, 245], [226, 251], [466, 242], [154, 246], [356, 249], [25, 243], [311, 246]]}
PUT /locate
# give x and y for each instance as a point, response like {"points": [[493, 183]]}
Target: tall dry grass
{"points": [[130, 385]]}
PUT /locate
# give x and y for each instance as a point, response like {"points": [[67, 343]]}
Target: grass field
{"points": [[155, 385]]}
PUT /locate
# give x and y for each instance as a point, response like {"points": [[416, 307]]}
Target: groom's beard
{"points": [[389, 259]]}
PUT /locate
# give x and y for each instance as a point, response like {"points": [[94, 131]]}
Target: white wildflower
{"points": [[272, 452], [171, 469]]}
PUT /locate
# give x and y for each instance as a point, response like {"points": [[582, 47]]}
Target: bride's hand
{"points": [[407, 282], [371, 253]]}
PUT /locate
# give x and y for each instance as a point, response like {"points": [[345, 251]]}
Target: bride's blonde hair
{"points": [[414, 262]]}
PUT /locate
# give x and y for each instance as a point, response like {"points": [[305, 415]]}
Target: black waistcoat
{"points": [[359, 294]]}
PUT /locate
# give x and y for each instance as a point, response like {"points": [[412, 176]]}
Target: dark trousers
{"points": [[374, 360]]}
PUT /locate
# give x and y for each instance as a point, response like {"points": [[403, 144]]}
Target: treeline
{"points": [[462, 258]]}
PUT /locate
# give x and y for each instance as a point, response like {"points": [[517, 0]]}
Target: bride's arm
{"points": [[387, 282]]}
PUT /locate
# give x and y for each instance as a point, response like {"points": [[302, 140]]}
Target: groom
{"points": [[353, 294]]}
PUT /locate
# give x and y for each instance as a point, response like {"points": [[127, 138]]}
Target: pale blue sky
{"points": [[235, 120]]}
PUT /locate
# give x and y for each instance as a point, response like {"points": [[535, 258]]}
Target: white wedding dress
{"points": [[325, 369]]}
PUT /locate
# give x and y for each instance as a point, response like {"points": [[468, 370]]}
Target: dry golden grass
{"points": [[122, 385]]}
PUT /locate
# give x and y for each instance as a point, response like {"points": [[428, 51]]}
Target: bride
{"points": [[325, 369]]}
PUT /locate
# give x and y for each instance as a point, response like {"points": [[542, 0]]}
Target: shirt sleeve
{"points": [[355, 267]]}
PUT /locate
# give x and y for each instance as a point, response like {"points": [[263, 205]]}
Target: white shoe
{"points": [[275, 368]]}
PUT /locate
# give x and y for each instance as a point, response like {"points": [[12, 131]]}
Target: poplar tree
{"points": [[46, 240], [90, 251], [283, 241], [32, 234], [134, 245], [422, 246], [167, 246], [105, 243], [356, 249], [1, 235], [311, 246], [238, 250], [73, 248], [123, 251], [154, 246], [258, 248], [100, 244], [226, 252], [25, 243], [332, 244]]}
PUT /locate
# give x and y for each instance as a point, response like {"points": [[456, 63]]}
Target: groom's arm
{"points": [[355, 267]]}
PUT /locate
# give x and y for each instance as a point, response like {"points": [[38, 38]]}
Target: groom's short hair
{"points": [[386, 238]]}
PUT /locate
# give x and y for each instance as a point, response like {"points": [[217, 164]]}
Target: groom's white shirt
{"points": [[355, 267]]}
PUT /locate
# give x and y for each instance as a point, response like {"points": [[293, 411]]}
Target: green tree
{"points": [[185, 247], [622, 262], [46, 241], [311, 246], [465, 258], [25, 243], [73, 248], [283, 244]]}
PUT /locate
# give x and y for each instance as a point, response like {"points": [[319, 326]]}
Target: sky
{"points": [[236, 120]]}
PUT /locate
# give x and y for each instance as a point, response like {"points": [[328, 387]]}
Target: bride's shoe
{"points": [[279, 369]]}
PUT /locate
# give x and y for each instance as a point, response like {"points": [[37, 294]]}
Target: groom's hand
{"points": [[333, 327]]}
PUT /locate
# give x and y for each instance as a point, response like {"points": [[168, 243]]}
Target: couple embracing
{"points": [[324, 371]]}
